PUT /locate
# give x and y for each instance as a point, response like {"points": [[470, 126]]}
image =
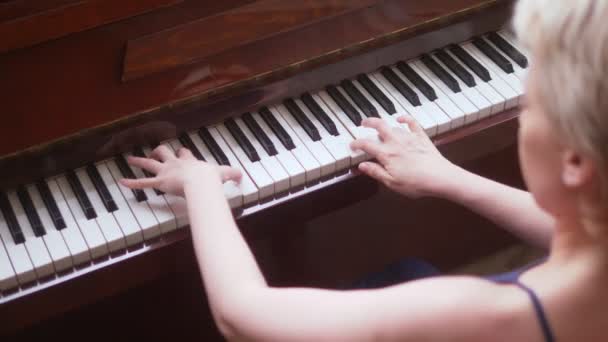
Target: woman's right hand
{"points": [[407, 161]]}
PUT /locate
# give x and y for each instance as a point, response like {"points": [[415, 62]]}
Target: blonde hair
{"points": [[568, 42]]}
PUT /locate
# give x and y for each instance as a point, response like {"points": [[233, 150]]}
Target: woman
{"points": [[563, 142]]}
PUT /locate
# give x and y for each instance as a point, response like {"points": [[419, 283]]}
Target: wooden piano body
{"points": [[85, 80]]}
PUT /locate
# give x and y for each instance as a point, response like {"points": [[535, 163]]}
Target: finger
{"points": [[148, 164], [376, 171], [384, 130], [230, 173], [140, 183], [184, 153], [162, 153], [371, 147], [411, 123]]}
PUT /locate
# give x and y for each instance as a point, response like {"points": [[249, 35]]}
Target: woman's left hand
{"points": [[173, 172]]}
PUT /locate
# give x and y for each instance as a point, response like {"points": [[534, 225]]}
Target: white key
{"points": [[404, 106], [484, 107], [8, 279], [129, 226], [246, 186], [108, 225], [141, 210], [316, 148], [520, 72], [485, 89], [296, 171], [386, 117], [39, 255], [89, 228], [255, 170], [431, 108], [496, 82], [58, 250], [71, 233], [357, 132], [272, 166], [463, 107], [20, 260], [300, 152], [158, 204]]}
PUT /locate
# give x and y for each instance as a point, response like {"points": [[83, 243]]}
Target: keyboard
{"points": [[70, 221]]}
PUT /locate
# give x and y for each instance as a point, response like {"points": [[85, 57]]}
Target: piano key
{"points": [[107, 224], [8, 279], [185, 140], [30, 211], [277, 128], [242, 140], [177, 204], [139, 152], [484, 107], [510, 79], [36, 249], [126, 172], [520, 72], [508, 49], [400, 86], [361, 102], [302, 120], [426, 121], [79, 250], [319, 114], [88, 227], [316, 148], [454, 105], [57, 248], [254, 169], [51, 205], [140, 209], [128, 224], [300, 151], [470, 62], [485, 89], [376, 93], [493, 55], [456, 68], [20, 260], [81, 196], [212, 145], [259, 134], [272, 166], [345, 106], [11, 220], [101, 187], [440, 73], [382, 114], [417, 81]]}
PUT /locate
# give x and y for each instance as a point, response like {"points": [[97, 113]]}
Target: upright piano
{"points": [[275, 88]]}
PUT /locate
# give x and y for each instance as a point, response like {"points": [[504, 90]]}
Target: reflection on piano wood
{"points": [[285, 122]]}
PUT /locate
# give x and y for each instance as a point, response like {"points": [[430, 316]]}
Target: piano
{"points": [[275, 88]]}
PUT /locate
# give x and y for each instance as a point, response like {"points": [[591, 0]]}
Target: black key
{"points": [[456, 68], [341, 101], [494, 55], [11, 219], [242, 140], [320, 114], [508, 49], [189, 144], [418, 81], [276, 127], [471, 62], [30, 211], [101, 188], [302, 119], [371, 88], [401, 86], [366, 107], [81, 195], [51, 205], [213, 147], [138, 152], [259, 134], [126, 172], [441, 73]]}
